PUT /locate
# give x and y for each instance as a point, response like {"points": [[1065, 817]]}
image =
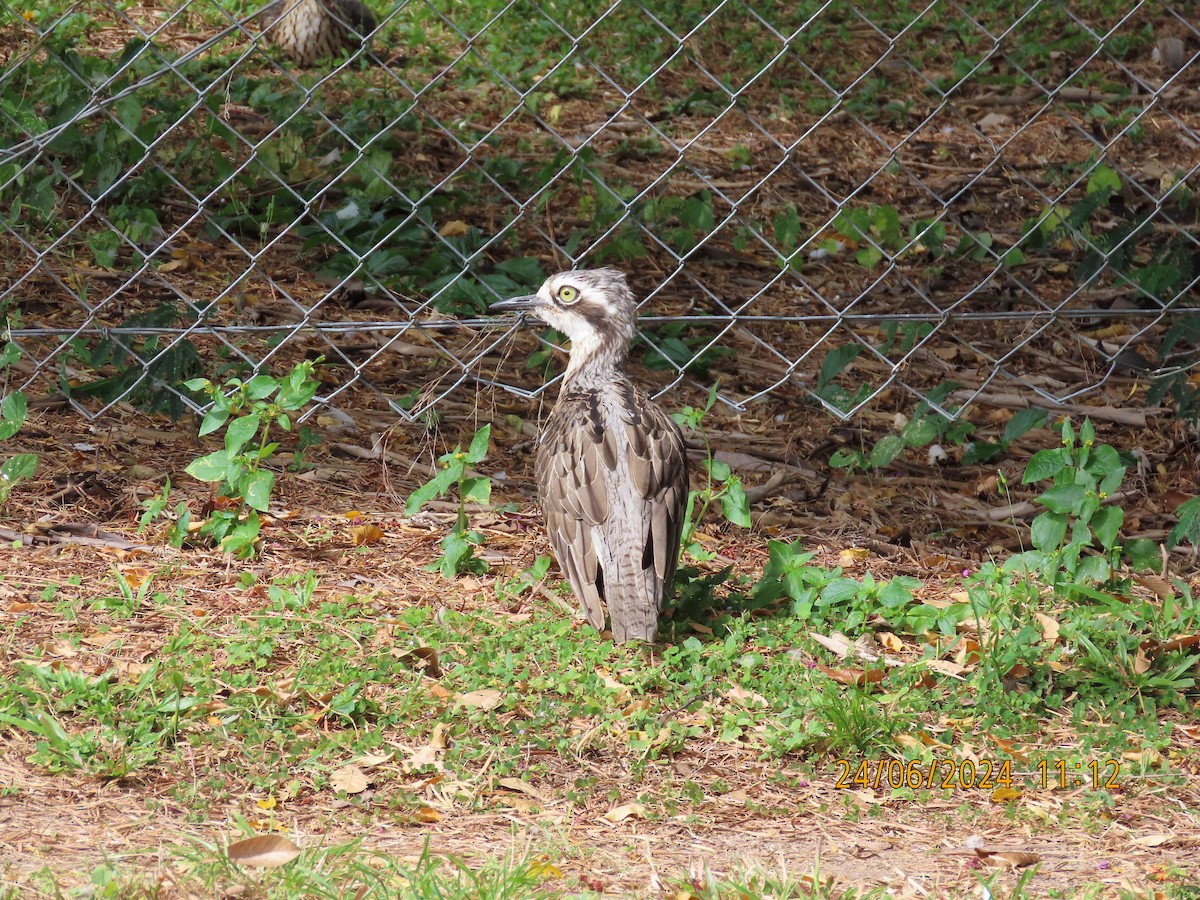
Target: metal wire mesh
{"points": [[829, 202]]}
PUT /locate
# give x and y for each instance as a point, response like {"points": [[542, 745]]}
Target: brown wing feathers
{"points": [[577, 458]]}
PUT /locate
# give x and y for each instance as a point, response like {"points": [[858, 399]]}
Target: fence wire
{"points": [[825, 202]]}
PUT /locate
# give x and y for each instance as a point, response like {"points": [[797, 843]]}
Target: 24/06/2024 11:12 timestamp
{"points": [[986, 774]]}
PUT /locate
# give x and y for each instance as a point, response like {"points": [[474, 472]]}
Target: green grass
{"points": [[271, 697]]}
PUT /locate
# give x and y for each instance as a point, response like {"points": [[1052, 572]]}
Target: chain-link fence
{"points": [[828, 201]]}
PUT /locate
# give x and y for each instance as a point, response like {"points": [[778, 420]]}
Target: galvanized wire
{"points": [[81, 254]]}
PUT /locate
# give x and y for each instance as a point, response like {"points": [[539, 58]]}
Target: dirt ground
{"points": [[95, 476]]}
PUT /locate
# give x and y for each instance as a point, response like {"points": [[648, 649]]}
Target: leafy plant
{"points": [[248, 411], [458, 547], [875, 231], [816, 594], [136, 368], [13, 411], [155, 507], [674, 348], [508, 589], [722, 485], [927, 426], [1188, 526], [838, 360], [1076, 540]]}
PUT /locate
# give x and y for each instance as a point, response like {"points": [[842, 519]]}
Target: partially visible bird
{"points": [[309, 30], [611, 465]]}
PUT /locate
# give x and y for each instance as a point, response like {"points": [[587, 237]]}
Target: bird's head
{"points": [[593, 307]]}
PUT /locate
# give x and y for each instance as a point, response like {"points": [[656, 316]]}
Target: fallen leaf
{"points": [[1010, 749], [135, 576], [622, 692], [107, 639], [836, 643], [425, 756], [856, 677], [1005, 795], [1049, 628], [993, 121], [1014, 858], [266, 803], [866, 647], [1141, 664], [1153, 839], [265, 851], [545, 870], [422, 659], [1148, 758], [485, 699], [373, 759], [890, 641], [946, 667], [743, 697], [849, 556], [625, 811], [522, 787], [365, 534], [454, 228], [350, 779], [1161, 587]]}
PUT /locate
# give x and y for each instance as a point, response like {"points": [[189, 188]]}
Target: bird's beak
{"points": [[528, 303]]}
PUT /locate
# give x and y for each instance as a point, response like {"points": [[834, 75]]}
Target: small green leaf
{"points": [[1014, 256], [1023, 420], [1087, 433], [848, 459], [734, 504], [479, 445], [978, 452], [1024, 563], [209, 468], [260, 387], [1143, 554], [1104, 180], [835, 362], [256, 490], [1106, 524], [476, 490], [240, 431], [1062, 498], [1048, 531], [18, 467], [15, 406], [422, 495], [886, 450], [1092, 569], [840, 590], [1045, 464], [718, 470], [240, 540], [216, 416], [921, 432]]}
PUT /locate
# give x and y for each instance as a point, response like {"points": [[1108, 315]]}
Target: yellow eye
{"points": [[567, 294]]}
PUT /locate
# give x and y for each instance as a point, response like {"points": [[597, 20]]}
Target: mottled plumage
{"points": [[309, 30], [611, 464]]}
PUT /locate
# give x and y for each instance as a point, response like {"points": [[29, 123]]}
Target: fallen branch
{"points": [[1121, 416]]}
